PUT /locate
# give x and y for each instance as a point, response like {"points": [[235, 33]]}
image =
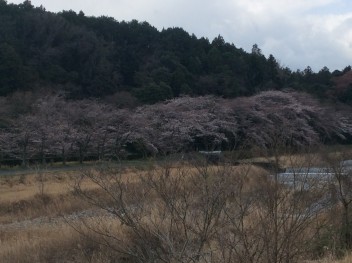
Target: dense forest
{"points": [[133, 63], [78, 87]]}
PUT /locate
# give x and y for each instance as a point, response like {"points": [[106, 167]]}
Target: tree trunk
{"points": [[63, 154], [347, 230], [80, 155], [24, 156], [42, 153]]}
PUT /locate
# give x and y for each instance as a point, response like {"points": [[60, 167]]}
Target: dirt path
{"points": [[24, 171]]}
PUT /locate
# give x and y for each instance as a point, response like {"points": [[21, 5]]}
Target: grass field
{"points": [[34, 208], [37, 210]]}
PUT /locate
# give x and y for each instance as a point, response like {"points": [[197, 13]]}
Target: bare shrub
{"points": [[340, 165], [203, 213], [169, 214]]}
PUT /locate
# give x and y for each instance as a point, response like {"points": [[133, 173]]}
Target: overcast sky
{"points": [[298, 33]]}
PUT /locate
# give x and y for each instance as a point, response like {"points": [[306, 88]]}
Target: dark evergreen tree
{"points": [[84, 57]]}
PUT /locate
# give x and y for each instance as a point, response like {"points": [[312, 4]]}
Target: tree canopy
{"points": [[94, 57]]}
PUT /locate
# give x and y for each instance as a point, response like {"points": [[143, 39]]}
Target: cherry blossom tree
{"points": [[84, 116], [4, 143], [55, 127], [288, 117], [180, 123], [22, 139]]}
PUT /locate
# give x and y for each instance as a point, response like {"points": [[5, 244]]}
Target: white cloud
{"points": [[297, 32]]}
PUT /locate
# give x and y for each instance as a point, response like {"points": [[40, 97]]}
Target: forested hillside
{"points": [[133, 63], [76, 87]]}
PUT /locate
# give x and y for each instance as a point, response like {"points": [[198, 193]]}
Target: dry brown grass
{"points": [[33, 227], [48, 243], [23, 187], [31, 206], [330, 259], [347, 259], [52, 195], [26, 197]]}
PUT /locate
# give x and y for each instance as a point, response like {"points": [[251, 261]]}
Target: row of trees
{"points": [[99, 56], [60, 129]]}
